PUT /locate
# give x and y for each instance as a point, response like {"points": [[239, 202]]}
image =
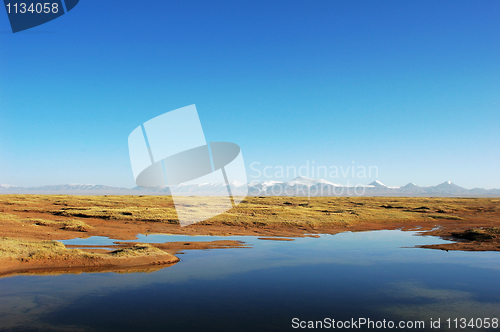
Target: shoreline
{"points": [[472, 223], [146, 257]]}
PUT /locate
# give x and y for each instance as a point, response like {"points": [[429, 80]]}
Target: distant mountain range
{"points": [[300, 186]]}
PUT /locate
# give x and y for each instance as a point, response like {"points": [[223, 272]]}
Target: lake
{"points": [[271, 286]]}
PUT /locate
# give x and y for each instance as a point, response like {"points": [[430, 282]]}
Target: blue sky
{"points": [[411, 87]]}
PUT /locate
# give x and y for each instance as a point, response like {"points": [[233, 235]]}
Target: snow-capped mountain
{"points": [[448, 187], [410, 185], [300, 186], [378, 184], [7, 186], [302, 180]]}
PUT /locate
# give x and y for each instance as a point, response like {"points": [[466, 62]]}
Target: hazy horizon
{"points": [[8, 185]]}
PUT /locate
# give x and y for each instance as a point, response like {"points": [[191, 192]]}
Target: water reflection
{"points": [[377, 275]]}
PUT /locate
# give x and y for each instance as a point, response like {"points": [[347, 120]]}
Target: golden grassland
{"points": [[29, 224], [22, 255], [27, 250], [292, 211]]}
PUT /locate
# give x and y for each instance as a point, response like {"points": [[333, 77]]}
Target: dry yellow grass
{"points": [[29, 250], [26, 250], [9, 217], [137, 250], [70, 225], [296, 211], [286, 211]]}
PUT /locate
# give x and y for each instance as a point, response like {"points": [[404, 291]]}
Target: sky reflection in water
{"points": [[377, 275]]}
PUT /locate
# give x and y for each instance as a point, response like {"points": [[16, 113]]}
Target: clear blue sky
{"points": [[412, 87]]}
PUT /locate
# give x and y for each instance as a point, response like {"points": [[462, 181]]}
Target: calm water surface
{"points": [[376, 275]]}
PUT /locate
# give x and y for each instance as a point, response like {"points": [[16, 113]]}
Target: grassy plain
{"points": [[291, 211], [31, 224]]}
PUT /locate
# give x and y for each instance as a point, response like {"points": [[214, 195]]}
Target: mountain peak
{"points": [[271, 183], [377, 183], [302, 180], [236, 183], [7, 186], [447, 183], [300, 177]]}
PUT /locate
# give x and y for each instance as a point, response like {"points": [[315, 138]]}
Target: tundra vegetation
{"points": [[31, 224]]}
